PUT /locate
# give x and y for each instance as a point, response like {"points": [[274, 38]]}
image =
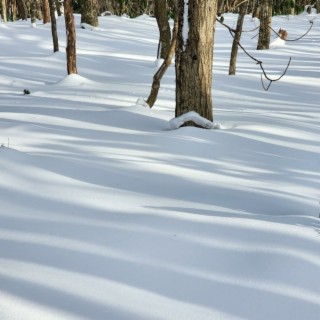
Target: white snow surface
{"points": [[106, 213]]}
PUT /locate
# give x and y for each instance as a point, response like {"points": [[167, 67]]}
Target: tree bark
{"points": [[33, 11], [89, 12], [58, 7], [22, 9], [46, 11], [265, 24], [4, 11], [71, 37], [194, 57], [53, 26], [236, 38], [160, 12], [292, 9], [165, 65], [13, 13]]}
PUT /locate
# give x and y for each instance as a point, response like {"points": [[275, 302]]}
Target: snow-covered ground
{"points": [[108, 214]]}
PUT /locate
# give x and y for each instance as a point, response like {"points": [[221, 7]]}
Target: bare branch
{"points": [[163, 68], [311, 25], [232, 31]]}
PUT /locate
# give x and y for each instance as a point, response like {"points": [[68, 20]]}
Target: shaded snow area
{"points": [[108, 213]]}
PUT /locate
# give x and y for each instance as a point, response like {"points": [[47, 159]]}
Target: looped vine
{"points": [[264, 73], [272, 80], [311, 25]]}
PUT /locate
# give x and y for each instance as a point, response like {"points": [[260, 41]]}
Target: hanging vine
{"points": [[260, 63]]}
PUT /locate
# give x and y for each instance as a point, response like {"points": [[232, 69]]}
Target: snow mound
{"points": [[12, 155], [158, 63], [278, 42], [193, 116], [142, 102], [74, 80]]}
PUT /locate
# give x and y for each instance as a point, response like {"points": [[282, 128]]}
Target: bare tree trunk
{"points": [[33, 11], [4, 11], [255, 8], [53, 26], [39, 10], [220, 9], [160, 73], [194, 57], [58, 7], [292, 9], [71, 38], [160, 12], [89, 12], [22, 9], [236, 38], [13, 10], [265, 24], [46, 11]]}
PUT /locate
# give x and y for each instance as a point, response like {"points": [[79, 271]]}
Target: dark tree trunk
{"points": [[255, 8], [58, 7], [236, 38], [53, 26], [89, 12], [194, 58], [22, 9], [33, 11], [160, 12], [265, 24], [46, 11], [71, 37]]}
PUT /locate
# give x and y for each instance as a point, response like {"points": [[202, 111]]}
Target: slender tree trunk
{"points": [[71, 37], [53, 26], [236, 39], [13, 10], [194, 57], [89, 12], [22, 9], [39, 10], [292, 9], [255, 8], [46, 11], [33, 11], [58, 7], [160, 12], [165, 65], [4, 11], [265, 24], [220, 9]]}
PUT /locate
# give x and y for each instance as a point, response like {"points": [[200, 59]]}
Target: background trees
{"points": [[4, 10], [89, 10], [161, 14]]}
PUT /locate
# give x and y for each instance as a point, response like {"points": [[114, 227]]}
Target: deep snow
{"points": [[107, 213]]}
